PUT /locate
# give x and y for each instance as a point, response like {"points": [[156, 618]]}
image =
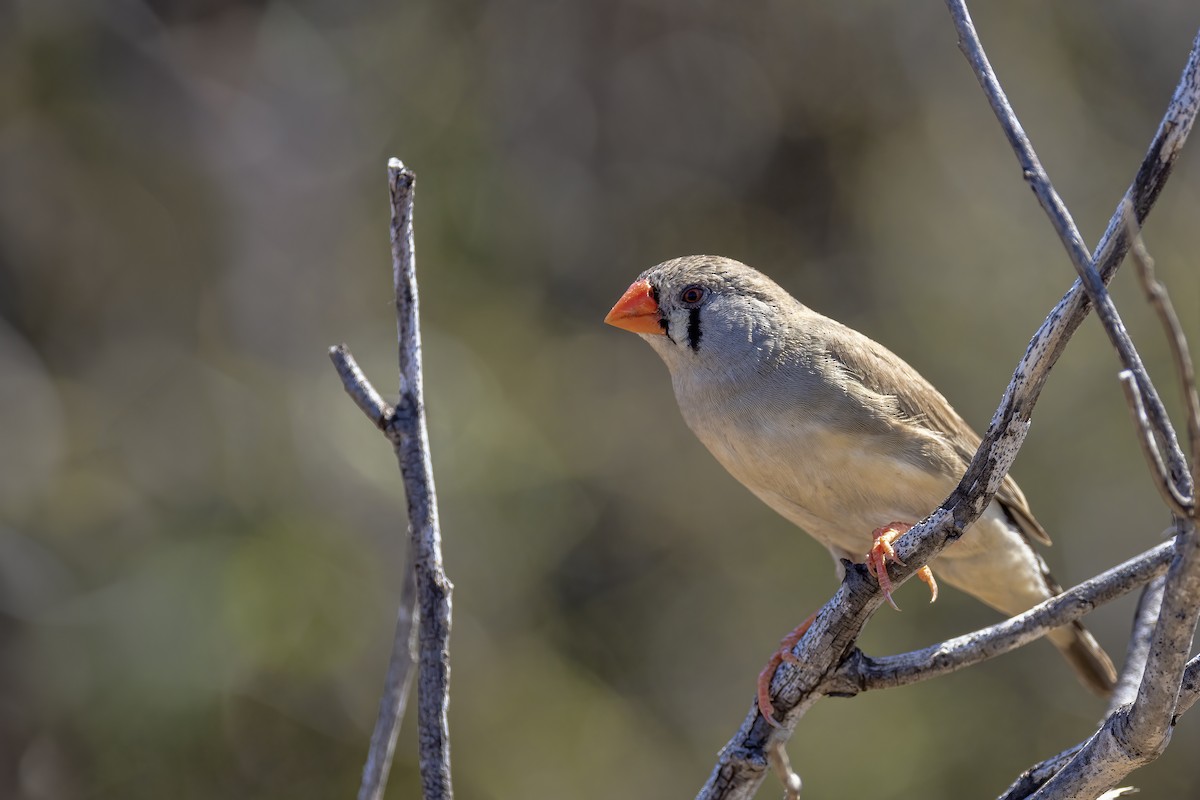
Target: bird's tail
{"points": [[1085, 655]]}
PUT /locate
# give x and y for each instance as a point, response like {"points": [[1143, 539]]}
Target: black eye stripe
{"points": [[693, 331]]}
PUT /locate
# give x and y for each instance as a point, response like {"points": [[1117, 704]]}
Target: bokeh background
{"points": [[201, 537]]}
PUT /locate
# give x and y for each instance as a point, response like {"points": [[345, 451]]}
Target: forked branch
{"points": [[1137, 735], [405, 428], [1134, 735]]}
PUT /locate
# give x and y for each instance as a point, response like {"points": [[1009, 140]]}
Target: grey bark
{"points": [[426, 593]]}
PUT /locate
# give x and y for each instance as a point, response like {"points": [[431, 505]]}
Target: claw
{"points": [[881, 552], [784, 653], [877, 558], [925, 575]]}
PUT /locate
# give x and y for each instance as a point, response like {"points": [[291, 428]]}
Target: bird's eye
{"points": [[692, 295]]}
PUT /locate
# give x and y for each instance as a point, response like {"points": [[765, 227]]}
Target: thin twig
{"points": [[395, 692], [1149, 444], [364, 395], [1133, 737], [1160, 301]]}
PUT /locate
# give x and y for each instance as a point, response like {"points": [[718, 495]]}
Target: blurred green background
{"points": [[201, 537]]}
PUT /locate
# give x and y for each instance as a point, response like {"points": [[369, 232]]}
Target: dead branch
{"points": [[1093, 284], [1148, 439], [1145, 616], [1134, 735], [860, 673], [405, 427], [1129, 737], [1160, 301]]}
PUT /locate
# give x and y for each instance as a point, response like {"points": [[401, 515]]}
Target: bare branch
{"points": [[861, 673], [1139, 647], [1157, 295], [426, 589], [364, 395], [1135, 736], [1064, 225], [433, 587], [1127, 739], [1146, 438], [395, 692], [1036, 776], [1146, 615], [1141, 634]]}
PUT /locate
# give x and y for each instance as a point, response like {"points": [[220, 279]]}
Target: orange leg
{"points": [[881, 552], [784, 653]]}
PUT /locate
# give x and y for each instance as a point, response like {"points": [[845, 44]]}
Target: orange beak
{"points": [[637, 310]]}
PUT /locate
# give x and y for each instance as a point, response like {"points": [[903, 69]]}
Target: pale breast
{"points": [[836, 485]]}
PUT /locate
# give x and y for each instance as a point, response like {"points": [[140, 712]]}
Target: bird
{"points": [[838, 435]]}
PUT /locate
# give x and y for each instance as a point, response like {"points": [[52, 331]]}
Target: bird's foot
{"points": [[881, 552], [784, 653]]}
